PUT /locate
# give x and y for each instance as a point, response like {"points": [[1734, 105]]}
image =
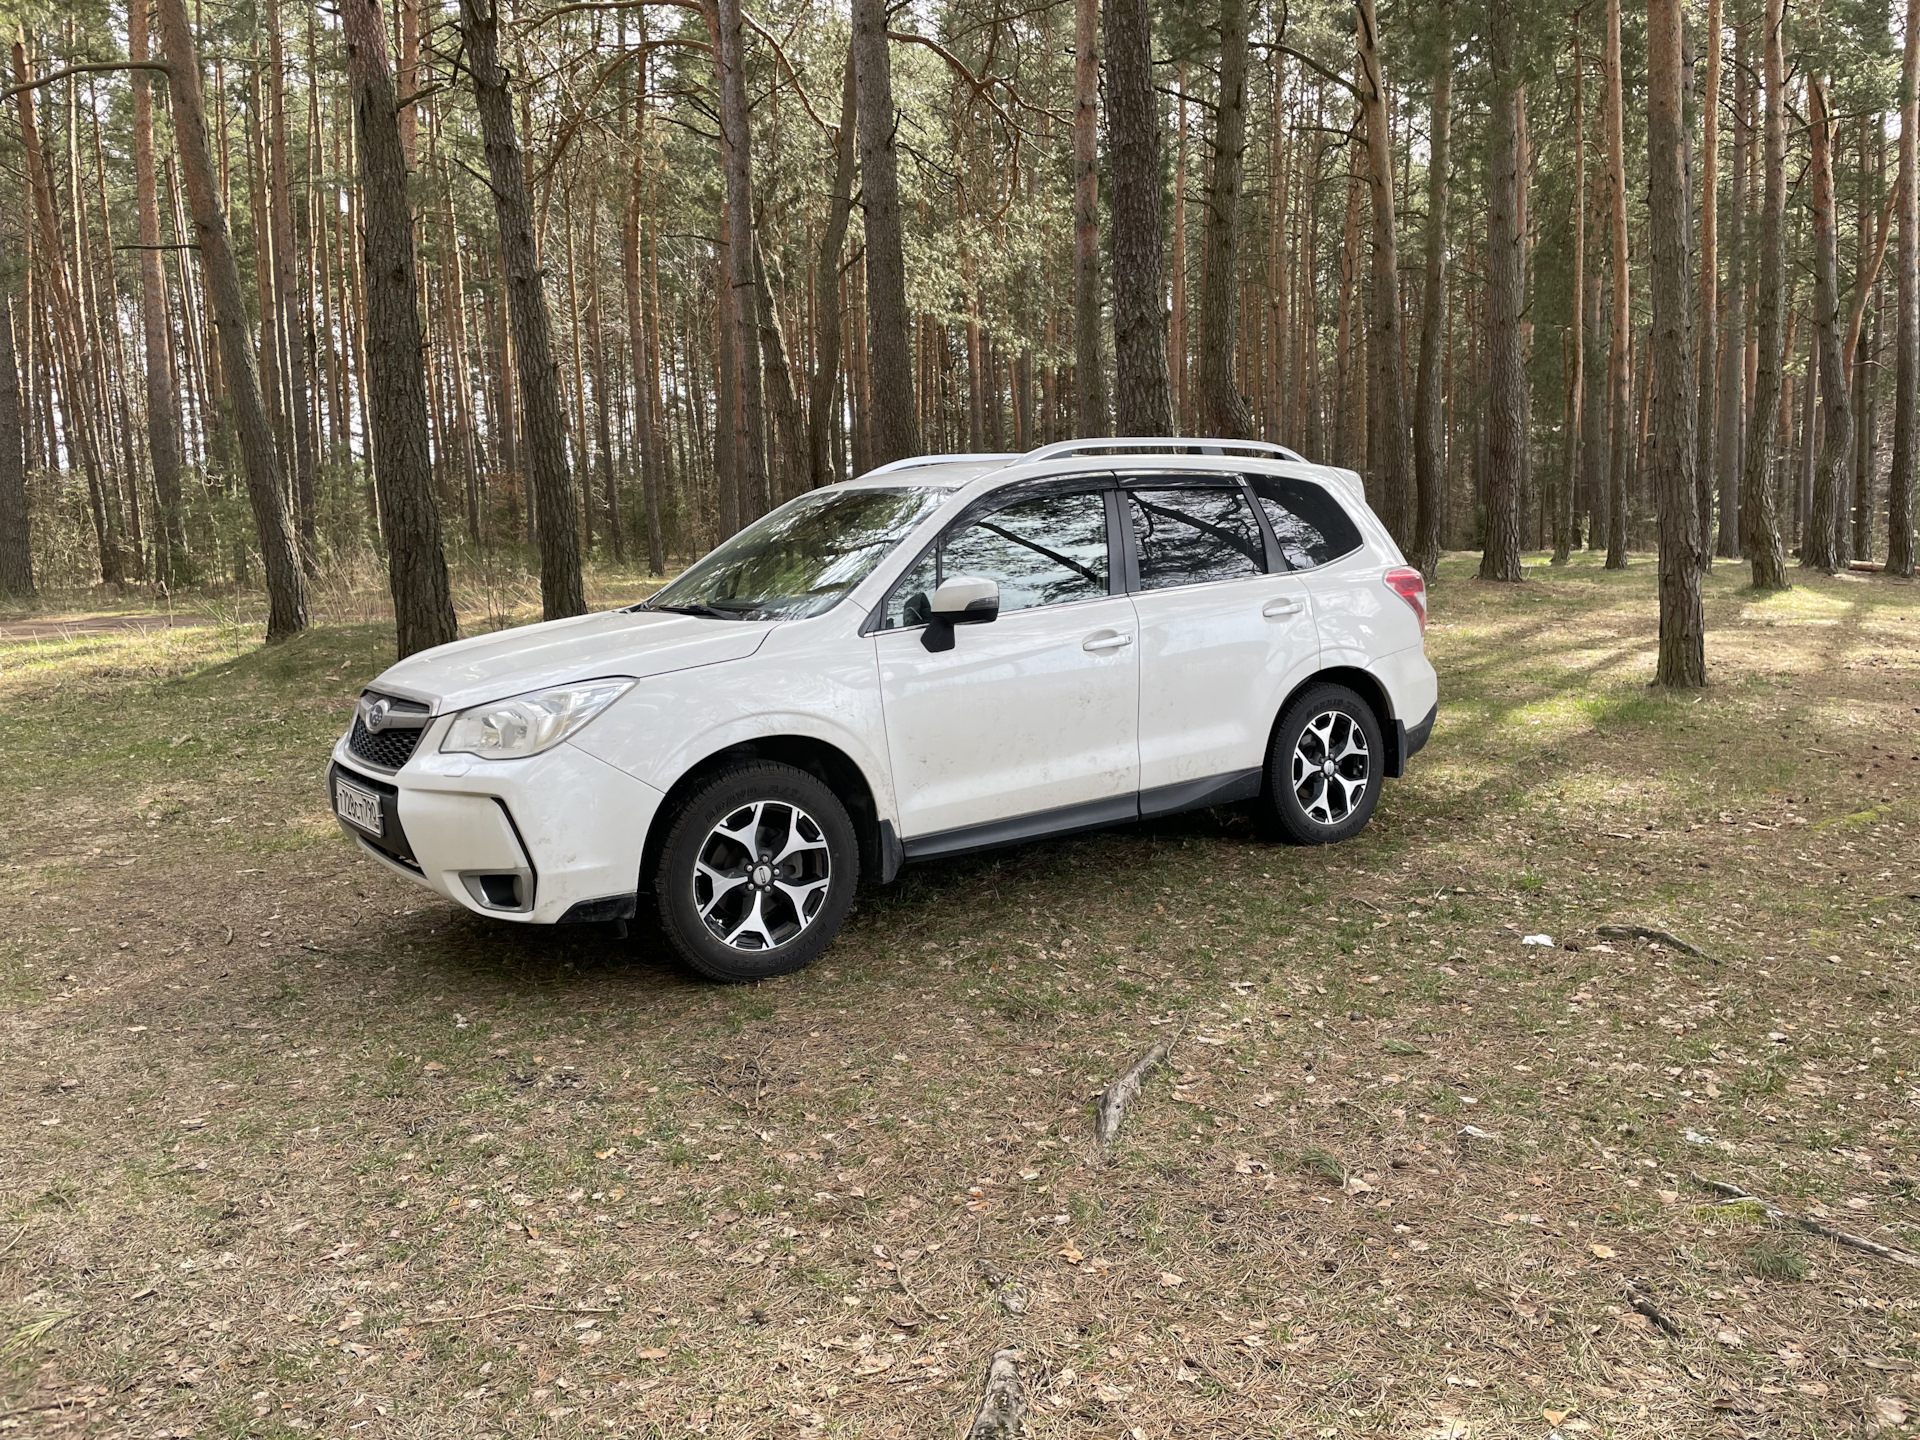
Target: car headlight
{"points": [[527, 724]]}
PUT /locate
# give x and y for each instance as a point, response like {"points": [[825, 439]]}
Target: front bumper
{"points": [[553, 837]]}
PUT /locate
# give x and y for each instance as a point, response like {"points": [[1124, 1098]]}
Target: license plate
{"points": [[359, 808]]}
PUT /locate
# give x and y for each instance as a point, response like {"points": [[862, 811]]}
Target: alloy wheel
{"points": [[1330, 767], [762, 875]]}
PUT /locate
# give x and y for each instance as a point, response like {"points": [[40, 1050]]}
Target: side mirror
{"points": [[962, 600]]}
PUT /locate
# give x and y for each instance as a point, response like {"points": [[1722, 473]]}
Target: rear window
{"points": [[1312, 527]]}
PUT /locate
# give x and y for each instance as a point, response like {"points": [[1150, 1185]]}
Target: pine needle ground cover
{"points": [[290, 1148]]}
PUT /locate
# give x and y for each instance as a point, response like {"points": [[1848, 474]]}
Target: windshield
{"points": [[801, 559]]}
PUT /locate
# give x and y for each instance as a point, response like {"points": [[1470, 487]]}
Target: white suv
{"points": [[944, 655]]}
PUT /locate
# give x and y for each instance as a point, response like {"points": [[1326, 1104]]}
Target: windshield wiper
{"points": [[707, 612]]}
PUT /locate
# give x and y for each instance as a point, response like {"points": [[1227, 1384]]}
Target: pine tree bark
{"points": [[824, 388], [1143, 389], [286, 288], [543, 421], [895, 416], [1506, 286], [1563, 505], [1819, 538], [1391, 459], [1901, 480], [1092, 409], [1759, 520], [286, 584], [783, 405], [1682, 661], [402, 469], [1429, 416], [1731, 425], [173, 563], [736, 156], [1227, 414], [1707, 391], [646, 384], [16, 532], [1619, 359]]}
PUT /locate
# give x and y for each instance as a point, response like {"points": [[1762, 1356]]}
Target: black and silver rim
{"points": [[1331, 767], [762, 875]]}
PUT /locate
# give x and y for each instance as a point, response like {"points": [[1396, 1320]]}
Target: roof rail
{"points": [[1193, 445], [914, 462]]}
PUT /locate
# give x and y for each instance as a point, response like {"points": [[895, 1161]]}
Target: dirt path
{"points": [[14, 631]]}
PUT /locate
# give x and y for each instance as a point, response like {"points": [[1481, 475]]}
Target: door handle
{"points": [[1106, 640], [1274, 609]]}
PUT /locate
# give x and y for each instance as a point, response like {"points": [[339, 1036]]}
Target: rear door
{"points": [[1225, 631], [1030, 720]]}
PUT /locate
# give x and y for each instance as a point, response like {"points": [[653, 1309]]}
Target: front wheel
{"points": [[1324, 769], [757, 872]]}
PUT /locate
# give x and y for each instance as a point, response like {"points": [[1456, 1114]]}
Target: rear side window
{"points": [[1311, 526], [1193, 536]]}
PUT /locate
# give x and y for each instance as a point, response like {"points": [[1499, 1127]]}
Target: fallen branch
{"points": [[1811, 1226], [503, 1310], [1110, 1111], [1658, 937], [1643, 1304], [1004, 1405]]}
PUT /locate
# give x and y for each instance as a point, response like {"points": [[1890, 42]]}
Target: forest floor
{"points": [[288, 1147]]}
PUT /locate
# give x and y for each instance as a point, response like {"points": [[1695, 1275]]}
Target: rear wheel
{"points": [[1324, 769], [757, 872]]}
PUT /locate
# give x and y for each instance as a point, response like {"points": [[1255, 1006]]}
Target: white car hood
{"points": [[532, 657]]}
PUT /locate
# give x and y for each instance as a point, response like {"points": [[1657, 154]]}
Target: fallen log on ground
{"points": [[1004, 1405], [1110, 1111], [1735, 1195], [1658, 937]]}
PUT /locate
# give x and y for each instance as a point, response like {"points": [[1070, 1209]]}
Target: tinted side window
{"points": [[1191, 536], [1044, 551], [1311, 526]]}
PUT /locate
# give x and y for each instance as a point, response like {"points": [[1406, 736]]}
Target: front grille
{"points": [[393, 745], [390, 749]]}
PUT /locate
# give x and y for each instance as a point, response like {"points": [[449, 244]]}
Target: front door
{"points": [[1029, 718]]}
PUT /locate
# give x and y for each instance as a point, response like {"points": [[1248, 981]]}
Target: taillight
{"points": [[1411, 587]]}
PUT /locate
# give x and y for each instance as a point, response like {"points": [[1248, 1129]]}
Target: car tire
{"points": [[1306, 802], [757, 872]]}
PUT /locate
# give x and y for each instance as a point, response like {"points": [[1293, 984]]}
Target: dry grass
{"points": [[290, 1148]]}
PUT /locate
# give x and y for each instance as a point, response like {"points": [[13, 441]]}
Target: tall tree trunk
{"points": [[823, 390], [173, 563], [1731, 426], [896, 419], [1429, 417], [1227, 413], [1682, 661], [1091, 406], [1391, 459], [16, 534], [286, 287], [646, 385], [1759, 520], [82, 410], [1708, 390], [416, 567], [1820, 541], [736, 155], [1506, 297], [1901, 481], [1143, 391], [1348, 435], [286, 585], [1563, 506], [543, 421], [781, 400], [1619, 361]]}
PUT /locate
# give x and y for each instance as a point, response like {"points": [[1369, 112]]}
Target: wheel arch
{"points": [[822, 759], [1368, 688]]}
